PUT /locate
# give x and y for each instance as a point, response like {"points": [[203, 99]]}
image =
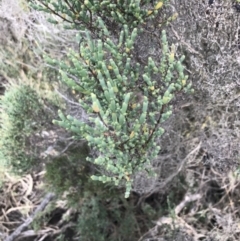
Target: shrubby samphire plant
{"points": [[126, 102], [83, 13]]}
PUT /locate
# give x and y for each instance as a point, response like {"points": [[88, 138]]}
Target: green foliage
{"points": [[93, 222], [100, 220], [126, 103], [98, 217], [70, 172], [21, 115], [82, 13], [103, 214]]}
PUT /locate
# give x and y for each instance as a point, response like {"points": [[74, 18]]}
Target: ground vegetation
{"points": [[194, 192]]}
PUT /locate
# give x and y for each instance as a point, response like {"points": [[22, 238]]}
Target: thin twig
{"points": [[65, 98], [171, 177], [184, 202]]}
